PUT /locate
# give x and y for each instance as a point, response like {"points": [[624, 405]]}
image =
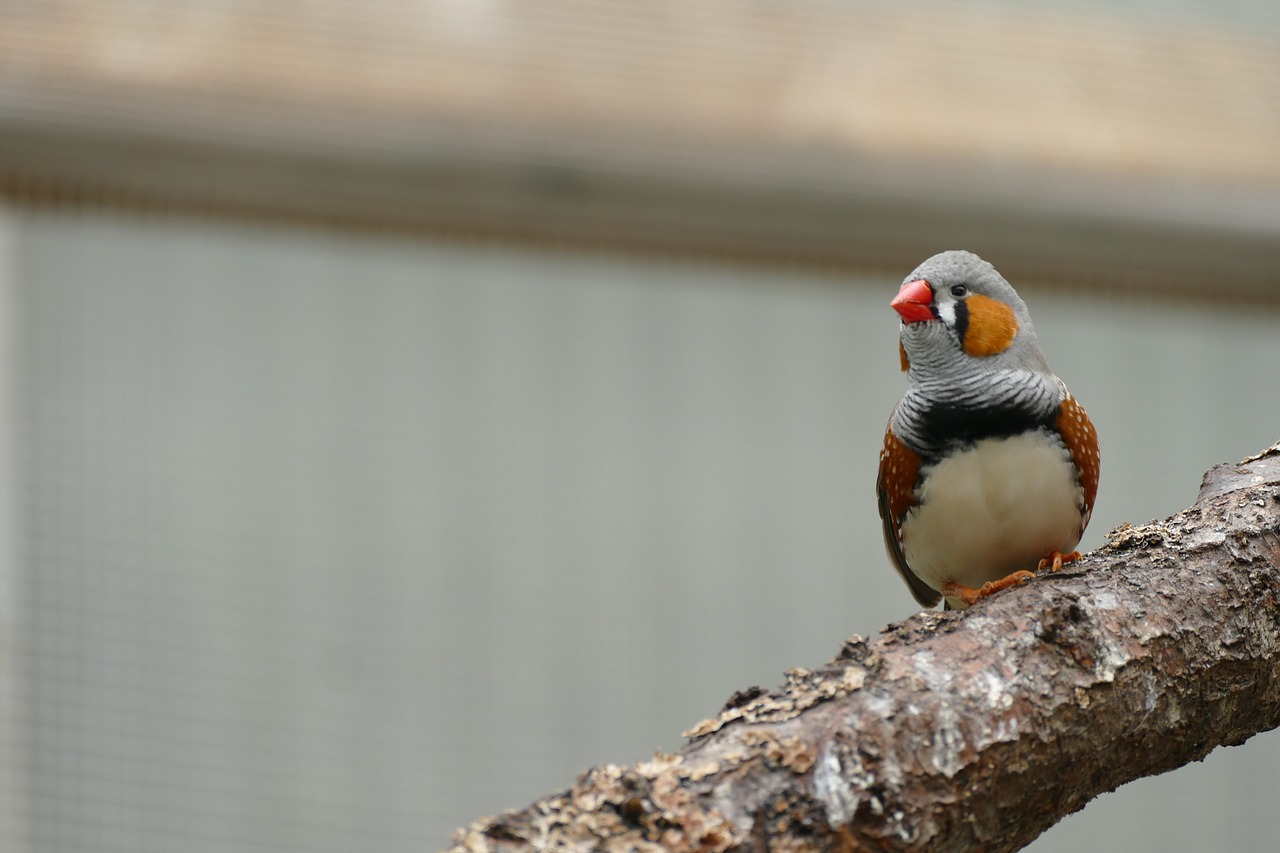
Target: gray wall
{"points": [[334, 543]]}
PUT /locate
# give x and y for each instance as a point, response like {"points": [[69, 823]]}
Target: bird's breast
{"points": [[992, 508]]}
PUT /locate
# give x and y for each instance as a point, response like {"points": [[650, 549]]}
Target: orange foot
{"points": [[1056, 559], [971, 596]]}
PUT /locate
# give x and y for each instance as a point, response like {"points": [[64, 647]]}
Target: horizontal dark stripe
{"points": [[945, 425]]}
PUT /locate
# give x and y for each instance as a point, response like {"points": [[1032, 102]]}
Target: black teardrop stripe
{"points": [[944, 426], [962, 320]]}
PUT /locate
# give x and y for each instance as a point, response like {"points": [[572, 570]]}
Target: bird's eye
{"points": [[959, 291]]}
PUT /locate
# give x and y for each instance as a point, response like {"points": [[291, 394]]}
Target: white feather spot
{"points": [[947, 312]]}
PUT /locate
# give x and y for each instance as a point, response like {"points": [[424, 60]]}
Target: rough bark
{"points": [[978, 729]]}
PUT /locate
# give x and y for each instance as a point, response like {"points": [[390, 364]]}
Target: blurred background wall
{"points": [[405, 406]]}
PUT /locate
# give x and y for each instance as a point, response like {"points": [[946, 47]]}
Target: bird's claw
{"points": [[971, 596], [1056, 559]]}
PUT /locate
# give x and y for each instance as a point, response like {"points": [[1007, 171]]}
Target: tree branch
{"points": [[978, 729]]}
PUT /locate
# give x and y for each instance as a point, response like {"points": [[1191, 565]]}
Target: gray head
{"points": [[959, 314]]}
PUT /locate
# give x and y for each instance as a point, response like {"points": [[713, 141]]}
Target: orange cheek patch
{"points": [[902, 356], [992, 326]]}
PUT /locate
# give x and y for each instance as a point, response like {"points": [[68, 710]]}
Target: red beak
{"points": [[913, 301]]}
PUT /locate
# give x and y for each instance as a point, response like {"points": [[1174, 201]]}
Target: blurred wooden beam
{"points": [[1094, 150]]}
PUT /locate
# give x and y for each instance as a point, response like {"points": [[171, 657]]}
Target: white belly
{"points": [[992, 510]]}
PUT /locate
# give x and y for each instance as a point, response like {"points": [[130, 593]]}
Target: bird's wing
{"points": [[895, 494], [1081, 439]]}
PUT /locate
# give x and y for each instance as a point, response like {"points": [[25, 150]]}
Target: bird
{"points": [[989, 467]]}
